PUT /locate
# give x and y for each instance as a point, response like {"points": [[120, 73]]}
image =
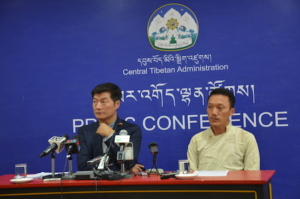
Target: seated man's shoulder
{"points": [[90, 126], [202, 135], [126, 124], [242, 132]]}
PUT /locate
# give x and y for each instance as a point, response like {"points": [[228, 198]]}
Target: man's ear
{"points": [[117, 104], [232, 110]]}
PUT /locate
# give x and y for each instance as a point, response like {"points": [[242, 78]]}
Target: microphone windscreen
{"points": [[65, 136], [123, 132], [152, 144]]}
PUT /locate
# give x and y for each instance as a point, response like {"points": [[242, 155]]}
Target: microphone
{"points": [[95, 160], [122, 139], [123, 132], [56, 144], [153, 146], [73, 146], [105, 158]]}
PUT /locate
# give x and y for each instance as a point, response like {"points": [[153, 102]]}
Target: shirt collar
{"points": [[112, 124], [229, 125]]}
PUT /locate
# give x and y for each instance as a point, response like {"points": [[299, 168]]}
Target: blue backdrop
{"points": [[53, 53]]}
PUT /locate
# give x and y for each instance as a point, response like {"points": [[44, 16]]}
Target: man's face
{"points": [[105, 109], [219, 111]]}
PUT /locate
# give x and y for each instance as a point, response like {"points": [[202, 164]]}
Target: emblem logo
{"points": [[172, 27]]}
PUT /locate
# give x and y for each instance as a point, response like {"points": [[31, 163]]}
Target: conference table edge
{"points": [[140, 180]]}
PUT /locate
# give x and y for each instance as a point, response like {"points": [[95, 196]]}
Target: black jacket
{"points": [[91, 144]]}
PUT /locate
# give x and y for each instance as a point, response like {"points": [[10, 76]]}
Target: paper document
{"points": [[40, 175], [212, 173]]}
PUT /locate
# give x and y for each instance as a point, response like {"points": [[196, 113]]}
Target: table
{"points": [[237, 184]]}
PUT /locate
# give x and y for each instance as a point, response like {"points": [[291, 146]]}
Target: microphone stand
{"points": [[53, 164], [53, 175], [70, 175], [154, 165], [123, 167], [122, 163]]}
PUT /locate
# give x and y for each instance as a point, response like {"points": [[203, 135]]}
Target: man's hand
{"points": [[137, 168], [104, 130]]}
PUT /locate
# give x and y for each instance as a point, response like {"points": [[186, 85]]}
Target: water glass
{"points": [[20, 171], [184, 166]]}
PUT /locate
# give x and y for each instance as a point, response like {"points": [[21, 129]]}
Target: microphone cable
{"points": [[120, 124], [97, 176], [111, 139], [61, 184]]}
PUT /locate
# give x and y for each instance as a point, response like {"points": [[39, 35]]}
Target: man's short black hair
{"points": [[226, 92], [114, 90]]}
